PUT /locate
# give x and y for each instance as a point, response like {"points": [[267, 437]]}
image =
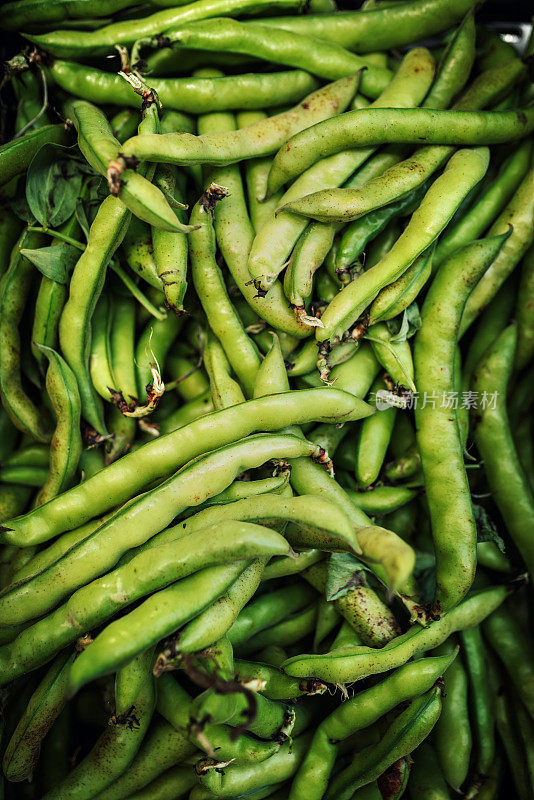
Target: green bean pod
{"points": [[209, 284], [113, 752], [159, 616], [138, 520], [523, 313], [16, 155], [15, 286], [161, 749], [99, 146], [463, 171], [289, 49], [515, 650], [452, 735], [453, 527], [406, 733], [358, 712], [272, 246], [493, 437], [412, 172], [375, 433], [18, 15], [261, 138], [46, 703], [353, 663], [374, 126], [488, 206], [481, 703], [378, 28], [96, 602], [518, 215], [163, 455], [86, 285], [278, 768], [426, 780], [66, 444]]}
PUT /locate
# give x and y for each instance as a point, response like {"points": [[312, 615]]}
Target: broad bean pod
{"points": [[97, 601], [463, 171], [258, 139], [192, 95], [117, 746], [493, 437], [375, 126], [138, 520], [380, 28], [119, 482], [353, 663], [406, 733], [447, 488], [362, 710], [16, 155], [324, 59], [66, 444], [15, 286], [76, 44]]}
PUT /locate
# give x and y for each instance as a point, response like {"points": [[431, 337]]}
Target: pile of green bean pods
{"points": [[267, 383]]}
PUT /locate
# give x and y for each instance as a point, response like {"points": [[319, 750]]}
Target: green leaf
{"points": [[55, 262], [402, 333], [20, 207], [425, 574], [344, 572], [53, 183], [486, 529], [81, 216], [414, 318]]}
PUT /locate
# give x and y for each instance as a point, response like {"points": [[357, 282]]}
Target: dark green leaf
{"points": [[414, 318], [425, 574], [81, 216], [55, 262], [344, 572], [486, 529], [20, 207], [52, 185]]}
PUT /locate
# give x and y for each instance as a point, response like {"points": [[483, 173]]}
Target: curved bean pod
{"points": [[72, 43], [406, 733], [118, 482], [209, 283], [192, 95], [105, 235], [381, 28], [453, 526], [46, 703], [491, 432], [353, 663], [16, 155], [325, 60], [135, 694], [141, 518], [161, 749], [362, 710], [157, 617], [66, 444], [273, 245], [374, 126], [95, 602], [261, 138], [463, 171], [14, 289]]}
